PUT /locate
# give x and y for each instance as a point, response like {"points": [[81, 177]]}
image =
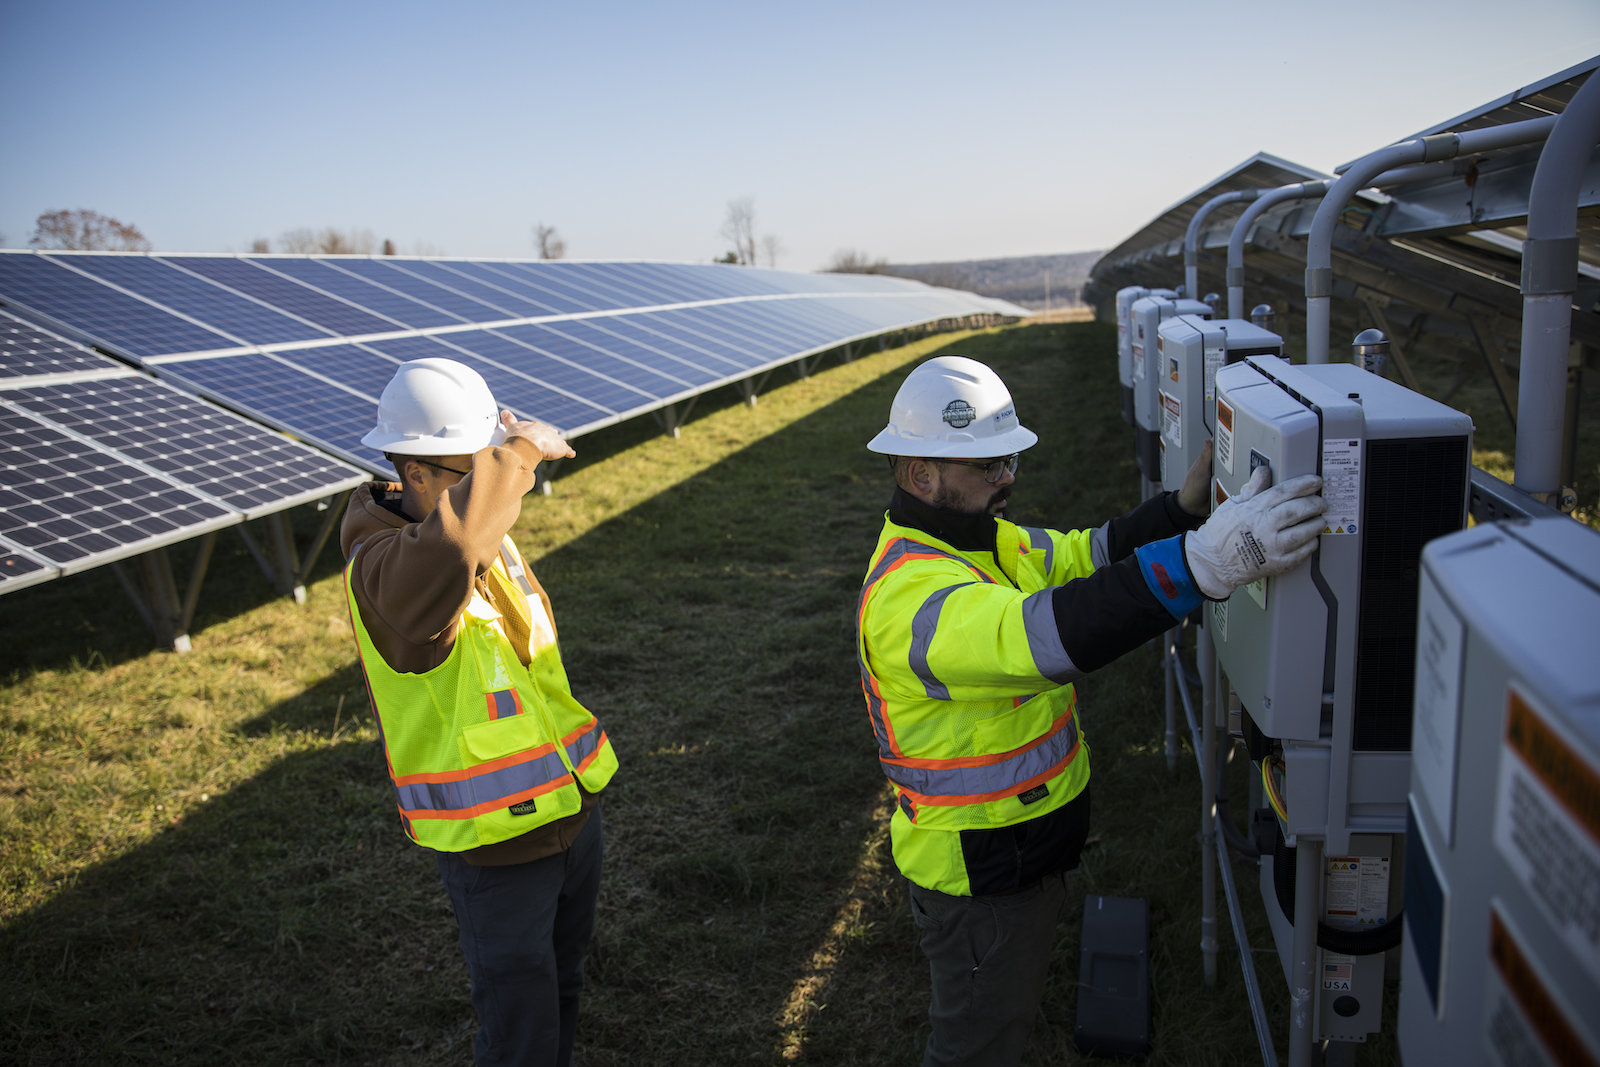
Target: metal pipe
{"points": [[1206, 663], [1241, 229], [1169, 669], [1247, 963], [1191, 236], [1360, 175], [1549, 277], [1303, 962]]}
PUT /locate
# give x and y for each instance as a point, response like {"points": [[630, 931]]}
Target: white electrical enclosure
{"points": [[1192, 350], [1501, 957], [1125, 300], [1145, 317]]}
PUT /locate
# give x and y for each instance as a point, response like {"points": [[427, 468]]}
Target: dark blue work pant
{"points": [[524, 930]]}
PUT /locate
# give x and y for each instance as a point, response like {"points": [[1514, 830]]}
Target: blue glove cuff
{"points": [[1167, 575]]}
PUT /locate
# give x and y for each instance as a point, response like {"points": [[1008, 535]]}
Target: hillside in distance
{"points": [[1020, 279]]}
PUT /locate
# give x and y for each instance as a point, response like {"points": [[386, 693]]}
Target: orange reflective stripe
{"points": [[986, 760], [477, 769], [982, 798], [496, 804]]}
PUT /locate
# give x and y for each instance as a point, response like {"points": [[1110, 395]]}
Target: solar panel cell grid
{"points": [[259, 281], [355, 366], [508, 304], [557, 341], [285, 396], [423, 291], [391, 305], [494, 285], [556, 289], [120, 321], [26, 350], [17, 570], [248, 321], [69, 511], [193, 443], [562, 375]]}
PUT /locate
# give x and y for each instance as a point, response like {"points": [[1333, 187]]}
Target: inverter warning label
{"points": [[1138, 362], [1213, 362], [1341, 485], [1547, 826], [1224, 445], [1171, 419]]}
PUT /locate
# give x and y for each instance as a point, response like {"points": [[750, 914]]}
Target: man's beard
{"points": [[950, 500]]}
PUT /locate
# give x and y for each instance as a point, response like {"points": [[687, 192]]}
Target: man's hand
{"points": [[1195, 496], [542, 435]]}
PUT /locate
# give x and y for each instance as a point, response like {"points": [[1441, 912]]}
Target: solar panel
{"points": [[579, 344], [193, 443], [26, 350], [19, 570], [77, 505]]}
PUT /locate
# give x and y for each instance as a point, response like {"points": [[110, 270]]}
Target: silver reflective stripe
{"points": [[492, 787], [1040, 538], [1005, 776], [1044, 639], [513, 564], [924, 624], [1099, 550]]}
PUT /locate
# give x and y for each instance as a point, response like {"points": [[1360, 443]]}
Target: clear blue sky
{"points": [[917, 131]]}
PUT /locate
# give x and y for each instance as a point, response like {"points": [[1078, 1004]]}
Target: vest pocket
{"points": [[482, 742], [521, 781]]}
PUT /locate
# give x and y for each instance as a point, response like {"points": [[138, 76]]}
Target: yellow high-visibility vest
{"points": [[482, 749], [968, 688]]}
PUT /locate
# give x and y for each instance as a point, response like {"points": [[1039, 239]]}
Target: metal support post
{"points": [[545, 473], [750, 388], [1206, 662], [1169, 666], [1303, 962], [285, 561], [1494, 359], [155, 593], [334, 506]]}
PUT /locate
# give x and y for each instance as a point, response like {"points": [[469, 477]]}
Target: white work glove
{"points": [[1257, 533]]}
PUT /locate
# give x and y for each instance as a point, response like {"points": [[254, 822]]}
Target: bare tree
{"points": [[773, 247], [261, 244], [329, 241], [548, 242], [388, 247], [739, 227], [854, 261], [87, 231]]}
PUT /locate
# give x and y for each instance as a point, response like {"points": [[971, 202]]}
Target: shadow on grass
{"points": [[750, 911]]}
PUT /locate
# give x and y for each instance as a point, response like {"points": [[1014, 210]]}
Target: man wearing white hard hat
{"points": [[496, 768], [971, 631]]}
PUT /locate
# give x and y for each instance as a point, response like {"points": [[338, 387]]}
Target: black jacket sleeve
{"points": [[1156, 519], [1108, 613]]}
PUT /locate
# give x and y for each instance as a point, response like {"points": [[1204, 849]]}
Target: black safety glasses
{"points": [[993, 469]]}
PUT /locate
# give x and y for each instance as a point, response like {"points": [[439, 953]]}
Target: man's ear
{"points": [[412, 474], [919, 472]]}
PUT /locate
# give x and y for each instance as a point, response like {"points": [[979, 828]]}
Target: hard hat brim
{"points": [[401, 445], [891, 443]]}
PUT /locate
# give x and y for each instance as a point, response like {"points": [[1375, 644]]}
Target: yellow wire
{"points": [[1271, 786]]}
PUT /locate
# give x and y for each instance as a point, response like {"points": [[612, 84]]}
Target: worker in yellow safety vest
{"points": [[496, 768], [971, 631]]}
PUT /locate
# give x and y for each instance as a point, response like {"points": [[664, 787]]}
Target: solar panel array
{"points": [[99, 462], [307, 343]]}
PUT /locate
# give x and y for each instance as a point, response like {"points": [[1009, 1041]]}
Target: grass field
{"points": [[199, 861]]}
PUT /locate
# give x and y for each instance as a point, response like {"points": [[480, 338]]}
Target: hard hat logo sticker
{"points": [[959, 414]]}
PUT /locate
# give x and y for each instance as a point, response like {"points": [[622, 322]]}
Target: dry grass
{"points": [[199, 864]]}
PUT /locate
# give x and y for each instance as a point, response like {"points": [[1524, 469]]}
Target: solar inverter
{"points": [[1322, 657], [1125, 301], [1191, 350], [1144, 318], [1502, 888]]}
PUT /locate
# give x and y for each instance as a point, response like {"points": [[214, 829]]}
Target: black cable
{"points": [[1347, 942]]}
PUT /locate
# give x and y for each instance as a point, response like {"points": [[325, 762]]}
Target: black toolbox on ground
{"points": [[1114, 978]]}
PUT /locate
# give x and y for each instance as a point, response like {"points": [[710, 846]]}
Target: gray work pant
{"points": [[988, 956]]}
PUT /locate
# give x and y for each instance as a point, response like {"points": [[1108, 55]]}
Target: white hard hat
{"points": [[436, 407], [952, 407]]}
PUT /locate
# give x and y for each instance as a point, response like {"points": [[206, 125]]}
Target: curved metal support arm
{"points": [[1360, 175], [1265, 202], [1191, 236]]}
